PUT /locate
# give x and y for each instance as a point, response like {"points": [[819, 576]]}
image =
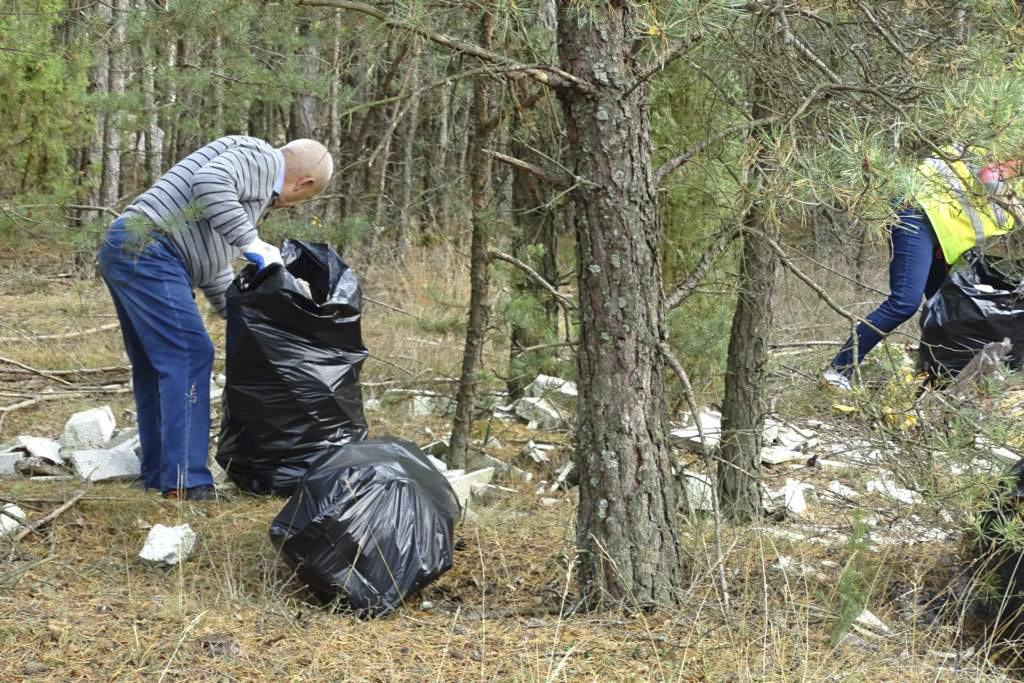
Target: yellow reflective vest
{"points": [[959, 206]]}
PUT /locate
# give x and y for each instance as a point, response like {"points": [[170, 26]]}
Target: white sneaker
{"points": [[836, 380]]}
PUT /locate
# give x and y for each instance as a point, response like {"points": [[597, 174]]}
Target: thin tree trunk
{"points": [[440, 180], [743, 409], [535, 218], [302, 117], [482, 216], [100, 87], [408, 177], [110, 189], [627, 527], [333, 124], [219, 124]]}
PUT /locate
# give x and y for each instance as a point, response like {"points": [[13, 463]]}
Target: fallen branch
{"points": [[57, 512], [120, 389], [536, 277], [66, 335], [392, 307], [67, 373], [35, 371]]}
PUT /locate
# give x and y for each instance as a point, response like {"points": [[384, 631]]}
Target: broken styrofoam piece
{"points": [[831, 464], [889, 489], [558, 391], [841, 490], [689, 437], [547, 502], [698, 491], [537, 452], [777, 455], [168, 545], [37, 447], [539, 413], [89, 428], [791, 496], [106, 465], [792, 438], [12, 518], [462, 482], [34, 467], [771, 431], [869, 622]]}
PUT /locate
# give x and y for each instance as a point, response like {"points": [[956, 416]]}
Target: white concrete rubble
{"points": [[546, 502], [38, 447], [462, 482], [440, 465], [791, 496], [423, 403], [689, 438], [560, 477], [831, 464], [438, 447], [841, 490], [8, 461], [698, 491], [560, 392], [539, 413], [776, 455], [537, 452], [889, 489], [106, 465], [12, 518], [89, 428], [168, 545], [867, 620]]}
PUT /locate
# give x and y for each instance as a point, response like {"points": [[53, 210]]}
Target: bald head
{"points": [[308, 168]]}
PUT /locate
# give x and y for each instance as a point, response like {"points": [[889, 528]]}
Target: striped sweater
{"points": [[209, 204]]}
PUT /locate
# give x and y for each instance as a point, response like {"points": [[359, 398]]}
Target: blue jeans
{"points": [[916, 269], [170, 352]]}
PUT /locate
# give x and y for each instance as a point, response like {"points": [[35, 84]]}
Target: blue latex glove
{"points": [[261, 253]]}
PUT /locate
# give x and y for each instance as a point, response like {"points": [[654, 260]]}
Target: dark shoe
{"points": [[198, 493]]}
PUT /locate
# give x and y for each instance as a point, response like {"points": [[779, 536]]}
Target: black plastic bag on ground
{"points": [[369, 525], [976, 305], [293, 360]]}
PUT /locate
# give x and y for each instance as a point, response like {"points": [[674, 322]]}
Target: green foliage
{"points": [[854, 585]]}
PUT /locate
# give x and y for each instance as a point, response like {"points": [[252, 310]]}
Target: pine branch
{"points": [[688, 286], [546, 74], [534, 276], [561, 181]]}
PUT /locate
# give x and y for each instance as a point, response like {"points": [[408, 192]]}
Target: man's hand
{"points": [[261, 253]]}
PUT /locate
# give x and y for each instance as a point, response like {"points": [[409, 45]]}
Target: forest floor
{"points": [[77, 604]]}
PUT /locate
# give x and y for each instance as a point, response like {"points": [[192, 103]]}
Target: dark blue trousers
{"points": [[916, 270], [170, 352]]}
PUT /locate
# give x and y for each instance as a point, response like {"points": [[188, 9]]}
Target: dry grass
{"points": [[76, 604]]}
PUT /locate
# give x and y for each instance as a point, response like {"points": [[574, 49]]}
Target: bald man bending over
{"points": [[185, 232]]}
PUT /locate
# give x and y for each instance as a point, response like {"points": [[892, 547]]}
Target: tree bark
{"points": [[476, 327], [535, 218], [302, 120], [408, 159], [743, 410], [627, 523], [110, 189]]}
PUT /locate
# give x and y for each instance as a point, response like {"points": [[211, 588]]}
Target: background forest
{"points": [[677, 204]]}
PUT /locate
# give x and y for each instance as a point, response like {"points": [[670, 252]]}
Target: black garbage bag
{"points": [[976, 305], [369, 525], [293, 360]]}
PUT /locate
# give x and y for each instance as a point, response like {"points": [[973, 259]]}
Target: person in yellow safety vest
{"points": [[963, 203]]}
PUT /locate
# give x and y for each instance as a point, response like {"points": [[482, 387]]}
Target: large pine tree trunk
{"points": [[627, 523], [476, 327]]}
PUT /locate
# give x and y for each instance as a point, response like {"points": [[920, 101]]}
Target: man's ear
{"points": [[304, 182]]}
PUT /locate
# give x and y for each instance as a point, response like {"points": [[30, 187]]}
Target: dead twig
{"points": [[66, 335], [57, 512], [35, 371]]}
